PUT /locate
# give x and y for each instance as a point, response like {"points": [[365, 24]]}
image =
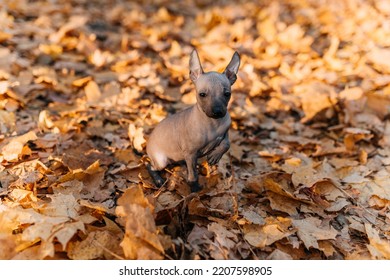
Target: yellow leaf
{"points": [[92, 92], [16, 146], [61, 205], [379, 248], [265, 235], [3, 87], [7, 122], [97, 245], [141, 240], [52, 50], [7, 245], [136, 136], [67, 231], [4, 36], [82, 81]]}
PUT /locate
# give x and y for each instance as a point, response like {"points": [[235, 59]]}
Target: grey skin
{"points": [[200, 130]]}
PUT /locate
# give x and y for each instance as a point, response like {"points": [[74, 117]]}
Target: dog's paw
{"points": [[213, 159], [159, 182], [156, 177]]}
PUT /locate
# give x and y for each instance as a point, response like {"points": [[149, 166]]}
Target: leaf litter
{"points": [[307, 175]]}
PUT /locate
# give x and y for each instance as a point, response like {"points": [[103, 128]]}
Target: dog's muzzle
{"points": [[218, 112]]}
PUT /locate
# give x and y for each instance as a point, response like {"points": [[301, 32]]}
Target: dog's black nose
{"points": [[218, 112]]}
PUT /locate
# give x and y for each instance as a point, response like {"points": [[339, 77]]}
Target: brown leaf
{"points": [[316, 98], [22, 196], [141, 239], [82, 81], [73, 23], [379, 248], [97, 245], [61, 205], [282, 203], [276, 182], [236, 151], [136, 136], [327, 247], [265, 235], [279, 255], [7, 122], [69, 230], [380, 58], [225, 241], [92, 92], [253, 217], [16, 147], [168, 200], [311, 230], [353, 135], [8, 246]]}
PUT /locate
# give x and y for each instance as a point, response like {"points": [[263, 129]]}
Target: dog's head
{"points": [[213, 89]]}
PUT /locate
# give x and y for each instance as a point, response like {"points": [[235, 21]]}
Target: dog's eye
{"points": [[202, 94], [227, 93]]}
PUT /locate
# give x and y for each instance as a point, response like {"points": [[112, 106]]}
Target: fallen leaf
{"points": [[8, 246], [320, 100], [279, 255], [97, 245], [379, 248], [92, 92], [16, 147], [7, 122], [136, 136], [282, 203], [265, 235], [73, 23], [225, 240], [353, 135], [141, 239], [380, 57], [62, 205], [310, 231]]}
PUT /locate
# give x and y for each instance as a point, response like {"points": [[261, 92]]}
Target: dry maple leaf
{"points": [[379, 248], [273, 230], [16, 147], [97, 245], [310, 231], [141, 239], [224, 242]]}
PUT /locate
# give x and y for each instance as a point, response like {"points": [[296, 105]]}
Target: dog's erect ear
{"points": [[232, 68], [195, 66]]}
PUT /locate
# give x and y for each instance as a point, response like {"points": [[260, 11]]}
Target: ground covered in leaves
{"points": [[83, 83]]}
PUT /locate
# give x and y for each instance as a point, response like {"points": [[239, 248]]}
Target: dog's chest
{"points": [[213, 135]]}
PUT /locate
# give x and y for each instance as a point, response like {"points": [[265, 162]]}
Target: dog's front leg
{"points": [[192, 177], [215, 155]]}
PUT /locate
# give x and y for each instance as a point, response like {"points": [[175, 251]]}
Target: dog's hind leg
{"points": [[156, 177]]}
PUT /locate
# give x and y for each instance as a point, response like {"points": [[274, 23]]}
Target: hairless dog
{"points": [[200, 130]]}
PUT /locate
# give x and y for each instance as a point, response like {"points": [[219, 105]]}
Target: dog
{"points": [[198, 131]]}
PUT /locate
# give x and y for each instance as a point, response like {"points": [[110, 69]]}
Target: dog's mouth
{"points": [[216, 114]]}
